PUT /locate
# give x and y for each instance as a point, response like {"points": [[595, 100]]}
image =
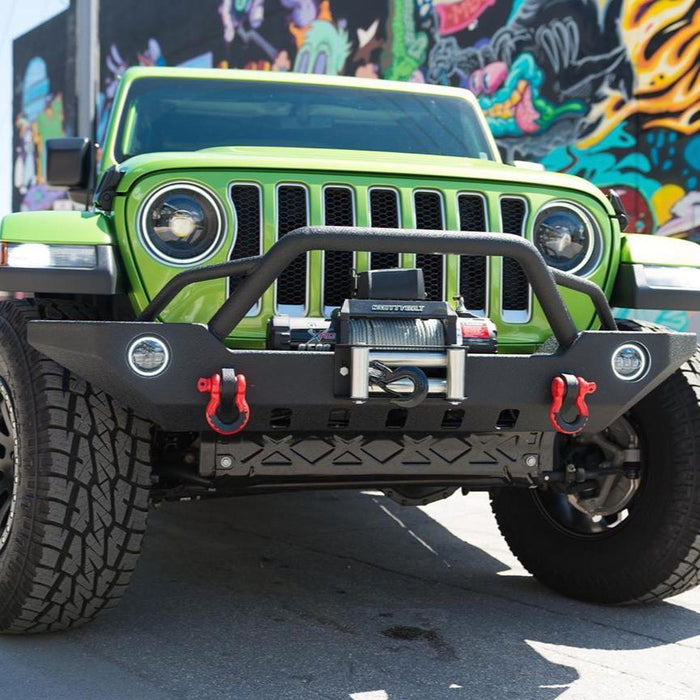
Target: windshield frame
{"points": [[121, 112]]}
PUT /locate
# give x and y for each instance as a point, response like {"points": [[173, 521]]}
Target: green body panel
{"points": [[657, 250], [66, 227], [198, 302], [465, 170]]}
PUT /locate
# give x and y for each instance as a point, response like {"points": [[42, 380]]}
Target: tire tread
{"points": [[675, 552], [83, 529]]}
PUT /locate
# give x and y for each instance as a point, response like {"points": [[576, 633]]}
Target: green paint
{"points": [[67, 227], [657, 250]]}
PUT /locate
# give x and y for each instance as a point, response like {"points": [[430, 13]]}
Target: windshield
{"points": [[169, 114]]}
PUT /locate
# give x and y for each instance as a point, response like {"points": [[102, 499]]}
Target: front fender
{"points": [[57, 227], [656, 272], [38, 272]]}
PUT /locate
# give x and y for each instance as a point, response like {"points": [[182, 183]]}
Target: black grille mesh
{"points": [[384, 213], [246, 203], [428, 206], [472, 268], [515, 287], [337, 272], [291, 214]]}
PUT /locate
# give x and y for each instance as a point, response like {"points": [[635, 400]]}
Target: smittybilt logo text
{"points": [[398, 307]]}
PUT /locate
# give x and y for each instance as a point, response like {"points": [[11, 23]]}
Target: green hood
{"points": [[362, 162]]}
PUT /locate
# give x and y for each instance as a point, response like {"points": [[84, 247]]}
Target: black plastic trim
{"points": [[69, 162], [105, 278], [107, 188], [632, 291]]}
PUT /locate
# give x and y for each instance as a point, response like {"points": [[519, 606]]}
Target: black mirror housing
{"points": [[69, 162]]}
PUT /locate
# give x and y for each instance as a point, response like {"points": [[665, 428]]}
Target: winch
{"points": [[389, 340]]}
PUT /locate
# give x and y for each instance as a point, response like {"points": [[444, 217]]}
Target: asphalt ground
{"points": [[348, 595]]}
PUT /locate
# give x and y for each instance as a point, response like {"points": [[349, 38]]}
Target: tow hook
{"points": [[382, 376], [569, 394], [226, 397]]}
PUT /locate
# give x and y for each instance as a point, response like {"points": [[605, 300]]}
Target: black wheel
{"points": [[633, 536], [74, 478]]}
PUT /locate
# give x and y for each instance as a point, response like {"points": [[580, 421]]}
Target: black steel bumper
{"points": [[302, 392], [295, 391]]}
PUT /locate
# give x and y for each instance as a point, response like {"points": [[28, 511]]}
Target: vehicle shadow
{"points": [[336, 595]]}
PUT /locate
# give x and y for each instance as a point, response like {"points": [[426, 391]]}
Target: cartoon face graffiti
{"points": [[512, 101], [325, 49]]}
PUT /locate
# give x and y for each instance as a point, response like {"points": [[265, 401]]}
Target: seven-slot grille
{"points": [[339, 208]]}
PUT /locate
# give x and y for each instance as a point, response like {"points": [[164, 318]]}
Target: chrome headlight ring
{"points": [[567, 236], [189, 216]]}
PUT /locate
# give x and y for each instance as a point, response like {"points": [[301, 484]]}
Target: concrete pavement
{"points": [[348, 595]]}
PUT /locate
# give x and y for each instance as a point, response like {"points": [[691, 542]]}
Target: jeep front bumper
{"points": [[304, 392], [313, 414]]}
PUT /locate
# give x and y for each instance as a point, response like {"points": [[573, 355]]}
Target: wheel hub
{"points": [[9, 474], [603, 474]]}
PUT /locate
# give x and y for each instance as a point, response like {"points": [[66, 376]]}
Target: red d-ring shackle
{"points": [[233, 388], [569, 392]]}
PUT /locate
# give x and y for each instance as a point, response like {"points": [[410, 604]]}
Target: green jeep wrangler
{"points": [[294, 282]]}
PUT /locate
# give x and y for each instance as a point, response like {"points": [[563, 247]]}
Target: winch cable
{"points": [[397, 332]]}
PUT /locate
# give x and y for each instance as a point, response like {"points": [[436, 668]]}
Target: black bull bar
{"points": [[297, 391]]}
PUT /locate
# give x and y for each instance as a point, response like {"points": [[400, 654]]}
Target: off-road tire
{"points": [[81, 495], [656, 552]]}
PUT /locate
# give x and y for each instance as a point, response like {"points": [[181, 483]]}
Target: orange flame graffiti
{"points": [[663, 42]]}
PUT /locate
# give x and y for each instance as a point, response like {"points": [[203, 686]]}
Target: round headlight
{"points": [[181, 224], [565, 236]]}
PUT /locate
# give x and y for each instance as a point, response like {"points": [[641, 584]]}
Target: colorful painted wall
{"points": [[605, 89], [43, 108]]}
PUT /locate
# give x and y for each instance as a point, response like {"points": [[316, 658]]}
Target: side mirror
{"points": [[69, 162]]}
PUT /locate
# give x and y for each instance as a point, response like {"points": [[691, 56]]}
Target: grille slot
{"points": [[473, 275], [429, 216], [292, 213], [515, 294], [247, 203], [384, 213], [339, 210]]}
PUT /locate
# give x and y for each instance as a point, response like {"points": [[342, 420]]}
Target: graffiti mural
{"points": [[40, 112], [605, 89]]}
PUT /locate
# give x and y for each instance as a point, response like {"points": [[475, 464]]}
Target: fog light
{"points": [[148, 356], [630, 362]]}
